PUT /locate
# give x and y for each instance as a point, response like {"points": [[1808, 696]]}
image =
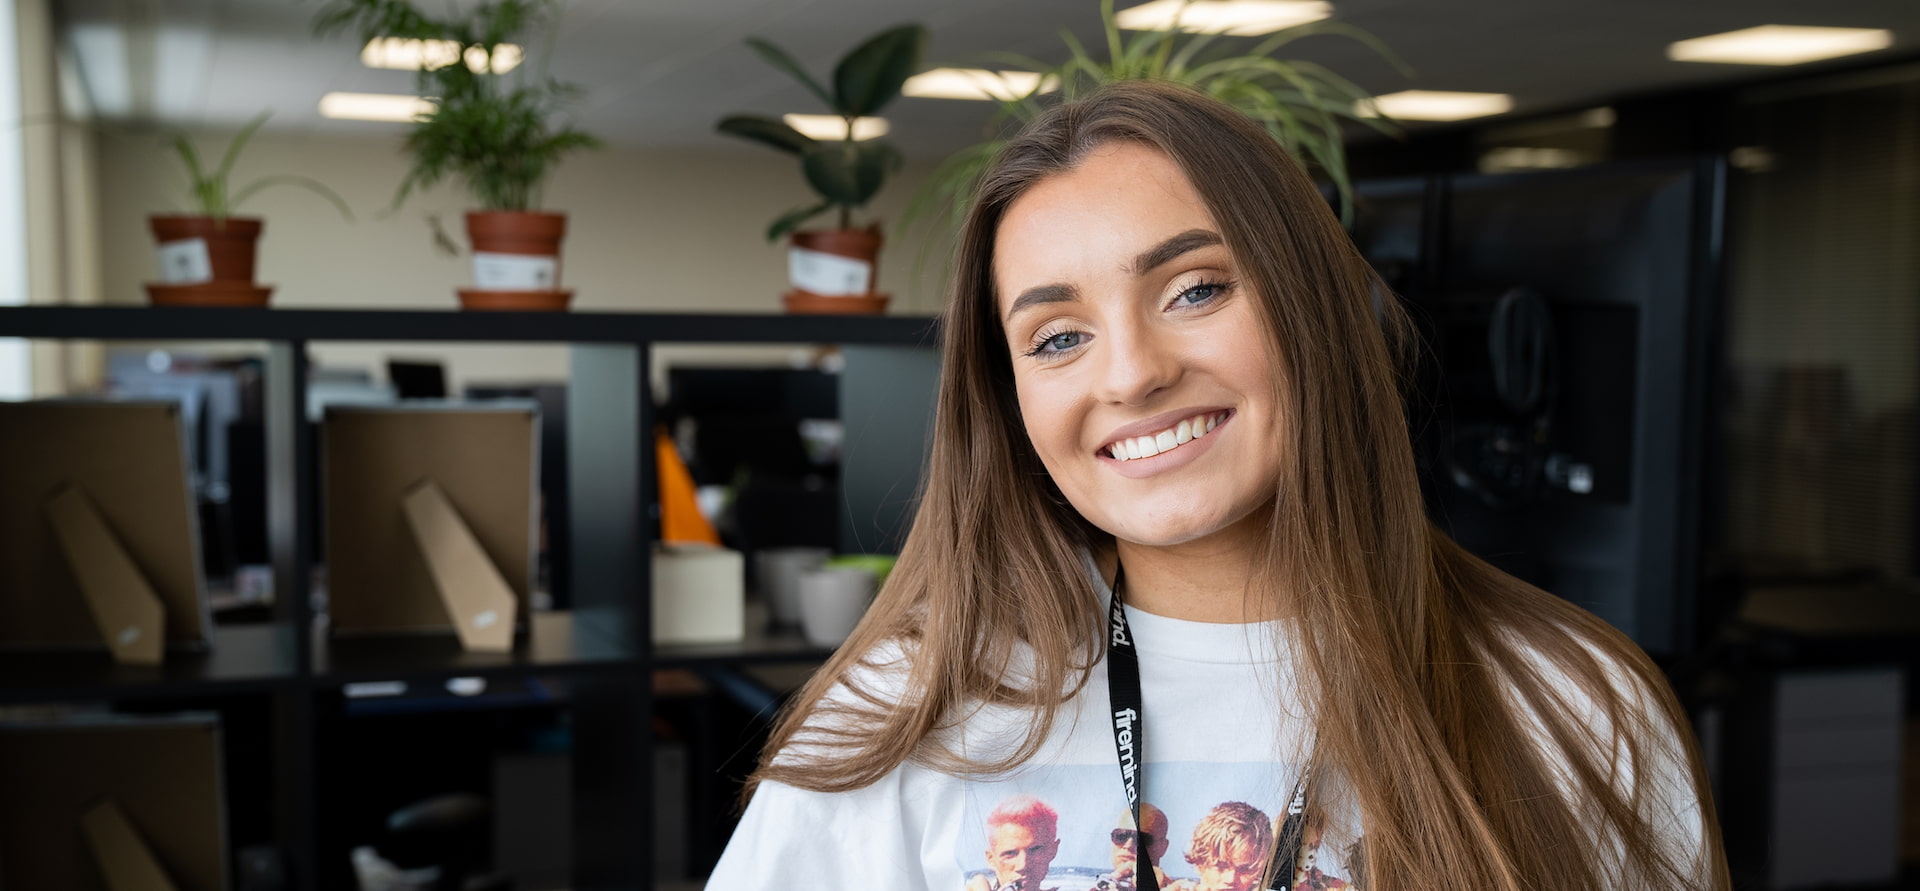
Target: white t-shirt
{"points": [[1214, 740]]}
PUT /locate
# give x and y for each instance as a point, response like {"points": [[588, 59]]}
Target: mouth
{"points": [[1134, 448]]}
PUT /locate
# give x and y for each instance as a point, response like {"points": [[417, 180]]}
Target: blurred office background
{"points": [[1697, 416]]}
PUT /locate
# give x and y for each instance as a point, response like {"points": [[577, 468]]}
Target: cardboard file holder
{"points": [[476, 596], [430, 523], [124, 606], [98, 525], [124, 858]]}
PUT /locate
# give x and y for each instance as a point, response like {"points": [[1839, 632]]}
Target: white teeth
{"points": [[1166, 440]]}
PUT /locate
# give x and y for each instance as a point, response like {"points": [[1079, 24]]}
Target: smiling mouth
{"points": [[1167, 440]]}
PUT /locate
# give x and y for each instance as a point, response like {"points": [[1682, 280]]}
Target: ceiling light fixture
{"points": [[1780, 45], [833, 128], [1238, 17], [976, 83], [1431, 105], [374, 106], [407, 54]]}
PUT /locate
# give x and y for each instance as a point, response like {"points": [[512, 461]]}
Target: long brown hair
{"points": [[1490, 735]]}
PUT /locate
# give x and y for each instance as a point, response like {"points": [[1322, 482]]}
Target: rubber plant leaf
{"points": [[778, 58], [849, 173], [792, 219], [829, 167], [873, 161], [767, 131], [872, 74]]}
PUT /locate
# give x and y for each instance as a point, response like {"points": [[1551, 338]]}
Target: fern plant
{"points": [[498, 134], [209, 191], [1303, 105]]}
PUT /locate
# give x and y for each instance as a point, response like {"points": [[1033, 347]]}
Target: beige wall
{"points": [[61, 239], [647, 231]]}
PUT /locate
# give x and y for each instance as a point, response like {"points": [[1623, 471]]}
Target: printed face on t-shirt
{"points": [[1237, 869], [1017, 853]]}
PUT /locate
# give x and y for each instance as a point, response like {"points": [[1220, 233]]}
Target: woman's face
{"points": [[1138, 355]]}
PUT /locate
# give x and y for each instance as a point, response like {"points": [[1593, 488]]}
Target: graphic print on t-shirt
{"points": [[1209, 827]]}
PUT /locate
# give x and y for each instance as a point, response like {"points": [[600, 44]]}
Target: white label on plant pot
{"points": [[827, 274], [185, 262], [515, 272]]}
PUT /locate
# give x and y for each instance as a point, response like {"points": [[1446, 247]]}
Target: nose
{"points": [[1137, 362]]}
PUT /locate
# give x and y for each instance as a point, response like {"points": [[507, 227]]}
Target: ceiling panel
{"points": [[660, 73]]}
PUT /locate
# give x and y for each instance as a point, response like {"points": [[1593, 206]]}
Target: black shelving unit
{"points": [[600, 649]]}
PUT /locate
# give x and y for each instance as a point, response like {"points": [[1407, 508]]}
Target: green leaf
{"points": [[792, 219], [191, 158], [778, 58], [848, 174], [871, 75], [766, 131], [239, 142], [304, 182]]}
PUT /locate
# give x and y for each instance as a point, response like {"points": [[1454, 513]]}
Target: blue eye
{"points": [[1053, 344], [1201, 294]]}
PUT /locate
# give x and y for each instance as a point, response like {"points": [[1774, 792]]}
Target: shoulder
{"points": [[1609, 727], [784, 837], [865, 689]]}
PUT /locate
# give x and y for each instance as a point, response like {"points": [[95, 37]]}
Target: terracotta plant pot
{"points": [[516, 260], [203, 254], [835, 272]]}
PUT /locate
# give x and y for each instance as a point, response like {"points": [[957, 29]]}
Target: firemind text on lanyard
{"points": [[1129, 734]]}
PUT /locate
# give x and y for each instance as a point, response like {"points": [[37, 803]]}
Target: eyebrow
{"points": [[1042, 295], [1166, 251], [1149, 260]]}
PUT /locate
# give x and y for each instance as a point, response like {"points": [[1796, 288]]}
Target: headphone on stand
{"points": [[1503, 463]]}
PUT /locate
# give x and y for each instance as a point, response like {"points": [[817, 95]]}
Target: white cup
{"points": [[832, 600], [778, 570]]}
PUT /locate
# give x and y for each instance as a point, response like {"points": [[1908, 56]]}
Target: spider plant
{"points": [[209, 191], [1303, 105]]}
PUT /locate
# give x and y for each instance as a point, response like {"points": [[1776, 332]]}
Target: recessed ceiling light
{"points": [[1239, 17], [406, 54], [1507, 159], [374, 106], [833, 128], [1780, 45], [1431, 105], [975, 83]]}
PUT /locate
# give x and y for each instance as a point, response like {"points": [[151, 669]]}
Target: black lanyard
{"points": [[1123, 694]]}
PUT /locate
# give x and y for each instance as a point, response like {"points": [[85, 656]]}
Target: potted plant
{"points": [[835, 270], [497, 134], [207, 257], [1303, 105]]}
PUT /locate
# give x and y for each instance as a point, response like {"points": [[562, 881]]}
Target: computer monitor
{"points": [[128, 461], [1593, 492], [382, 575], [161, 777], [417, 380]]}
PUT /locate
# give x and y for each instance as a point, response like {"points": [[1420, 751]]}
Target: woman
{"points": [[1166, 374]]}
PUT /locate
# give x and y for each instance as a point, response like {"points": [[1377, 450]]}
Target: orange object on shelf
{"points": [[680, 518]]}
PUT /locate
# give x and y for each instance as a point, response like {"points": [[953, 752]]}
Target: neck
{"points": [[1205, 580]]}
